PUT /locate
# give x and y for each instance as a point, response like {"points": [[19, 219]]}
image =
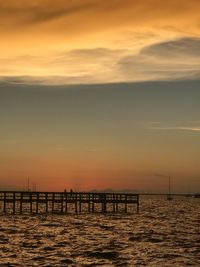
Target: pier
{"points": [[20, 202]]}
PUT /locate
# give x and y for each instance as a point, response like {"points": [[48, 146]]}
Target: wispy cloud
{"points": [[176, 128], [180, 48], [41, 11], [173, 59], [132, 12]]}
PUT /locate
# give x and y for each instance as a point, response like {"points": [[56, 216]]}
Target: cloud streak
{"points": [[174, 59], [180, 48], [40, 11], [176, 128], [132, 11]]}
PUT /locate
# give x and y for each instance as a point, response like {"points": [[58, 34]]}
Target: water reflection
{"points": [[163, 234]]}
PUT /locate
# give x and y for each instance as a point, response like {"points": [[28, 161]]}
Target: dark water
{"points": [[164, 233]]}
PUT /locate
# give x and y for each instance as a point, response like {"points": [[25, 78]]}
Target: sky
{"points": [[100, 94]]}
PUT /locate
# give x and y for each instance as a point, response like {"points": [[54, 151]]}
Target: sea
{"points": [[163, 233]]}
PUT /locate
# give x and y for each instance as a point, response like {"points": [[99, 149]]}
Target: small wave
{"points": [[48, 248], [109, 255], [38, 258], [145, 237], [107, 227], [67, 261], [51, 224]]}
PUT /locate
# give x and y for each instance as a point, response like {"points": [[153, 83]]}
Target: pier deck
{"points": [[19, 202]]}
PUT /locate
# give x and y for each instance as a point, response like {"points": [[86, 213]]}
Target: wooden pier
{"points": [[20, 202]]}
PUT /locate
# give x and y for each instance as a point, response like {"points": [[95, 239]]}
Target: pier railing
{"points": [[63, 202]]}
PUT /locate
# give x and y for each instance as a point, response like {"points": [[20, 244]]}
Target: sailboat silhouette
{"points": [[169, 197]]}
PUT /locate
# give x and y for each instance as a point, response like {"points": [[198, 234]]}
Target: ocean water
{"points": [[164, 233]]}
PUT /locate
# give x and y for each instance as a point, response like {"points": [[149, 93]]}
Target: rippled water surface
{"points": [[164, 233]]}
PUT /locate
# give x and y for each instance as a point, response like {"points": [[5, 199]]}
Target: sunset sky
{"points": [[100, 94]]}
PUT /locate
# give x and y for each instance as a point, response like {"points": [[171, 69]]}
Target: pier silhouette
{"points": [[19, 202]]}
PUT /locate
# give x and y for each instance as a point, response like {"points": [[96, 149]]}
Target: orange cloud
{"points": [[82, 15], [65, 38]]}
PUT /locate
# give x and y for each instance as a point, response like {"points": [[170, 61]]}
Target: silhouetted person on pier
{"points": [[71, 193]]}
